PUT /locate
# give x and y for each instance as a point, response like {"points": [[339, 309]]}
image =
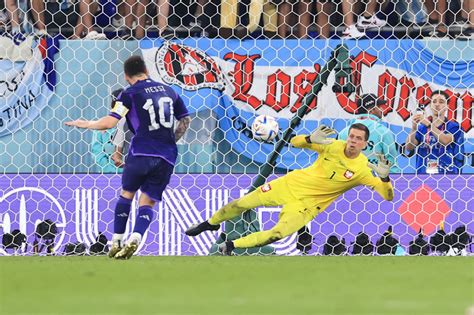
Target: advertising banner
{"points": [[83, 205]]}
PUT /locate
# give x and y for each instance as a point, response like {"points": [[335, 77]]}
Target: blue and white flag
{"points": [[23, 89], [239, 80]]}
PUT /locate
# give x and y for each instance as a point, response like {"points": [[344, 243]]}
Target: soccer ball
{"points": [[264, 128]]}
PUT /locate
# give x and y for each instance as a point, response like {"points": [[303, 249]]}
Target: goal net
{"points": [[230, 63]]}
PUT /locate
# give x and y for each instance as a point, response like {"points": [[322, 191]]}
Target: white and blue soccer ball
{"points": [[265, 128]]}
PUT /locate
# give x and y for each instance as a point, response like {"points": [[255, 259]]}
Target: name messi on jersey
{"points": [[154, 89]]}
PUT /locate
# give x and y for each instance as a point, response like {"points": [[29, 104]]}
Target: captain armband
{"points": [[120, 109]]}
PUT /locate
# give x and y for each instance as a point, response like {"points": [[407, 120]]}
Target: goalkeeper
{"points": [[307, 192]]}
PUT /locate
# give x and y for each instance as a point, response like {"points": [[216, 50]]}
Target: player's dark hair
{"points": [[134, 65], [362, 127], [439, 92]]}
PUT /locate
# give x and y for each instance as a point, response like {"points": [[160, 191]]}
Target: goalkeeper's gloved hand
{"points": [[320, 135], [383, 166]]}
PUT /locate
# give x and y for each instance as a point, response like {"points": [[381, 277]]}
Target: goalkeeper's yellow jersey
{"points": [[332, 174]]}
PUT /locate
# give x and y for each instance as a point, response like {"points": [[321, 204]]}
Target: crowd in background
{"points": [[132, 19]]}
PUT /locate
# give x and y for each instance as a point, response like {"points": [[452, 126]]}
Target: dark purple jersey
{"points": [[151, 109]]}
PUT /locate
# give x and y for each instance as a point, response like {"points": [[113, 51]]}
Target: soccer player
{"points": [[307, 192], [150, 109], [381, 140]]}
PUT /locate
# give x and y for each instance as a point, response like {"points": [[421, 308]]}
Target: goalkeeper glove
{"points": [[320, 135], [383, 166]]}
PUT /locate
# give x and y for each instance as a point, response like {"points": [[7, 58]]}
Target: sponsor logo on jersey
{"points": [[266, 187], [190, 68], [348, 174]]}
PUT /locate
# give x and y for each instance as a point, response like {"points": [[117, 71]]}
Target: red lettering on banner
{"points": [[452, 104], [363, 58], [423, 94], [243, 78], [387, 89], [279, 88], [406, 87], [301, 89], [285, 90], [466, 122]]}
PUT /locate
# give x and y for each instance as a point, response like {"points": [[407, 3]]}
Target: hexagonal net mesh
{"points": [[407, 75]]}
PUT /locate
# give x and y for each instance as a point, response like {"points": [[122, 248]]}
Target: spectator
{"points": [[411, 12], [439, 142], [163, 12], [135, 13], [366, 21], [436, 17], [65, 15], [284, 17], [302, 9], [229, 9], [118, 20], [198, 17], [381, 139], [205, 18], [468, 15], [324, 11], [10, 18]]}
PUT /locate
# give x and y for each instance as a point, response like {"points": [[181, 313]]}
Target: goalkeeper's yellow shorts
{"points": [[277, 193]]}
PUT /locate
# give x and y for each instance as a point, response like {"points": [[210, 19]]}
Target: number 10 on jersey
{"points": [[165, 113]]}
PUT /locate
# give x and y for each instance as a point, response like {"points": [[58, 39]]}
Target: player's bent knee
{"points": [[128, 194], [233, 206], [146, 200]]}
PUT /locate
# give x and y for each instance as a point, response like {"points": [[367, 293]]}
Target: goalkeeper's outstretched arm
{"points": [[302, 143], [381, 184], [316, 141], [383, 188]]}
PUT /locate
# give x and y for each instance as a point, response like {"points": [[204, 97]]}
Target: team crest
{"points": [[187, 67], [348, 174], [266, 188]]}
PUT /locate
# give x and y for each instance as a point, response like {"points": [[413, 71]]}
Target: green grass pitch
{"points": [[237, 285]]}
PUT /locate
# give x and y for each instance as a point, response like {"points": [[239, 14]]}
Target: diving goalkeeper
{"points": [[307, 192]]}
